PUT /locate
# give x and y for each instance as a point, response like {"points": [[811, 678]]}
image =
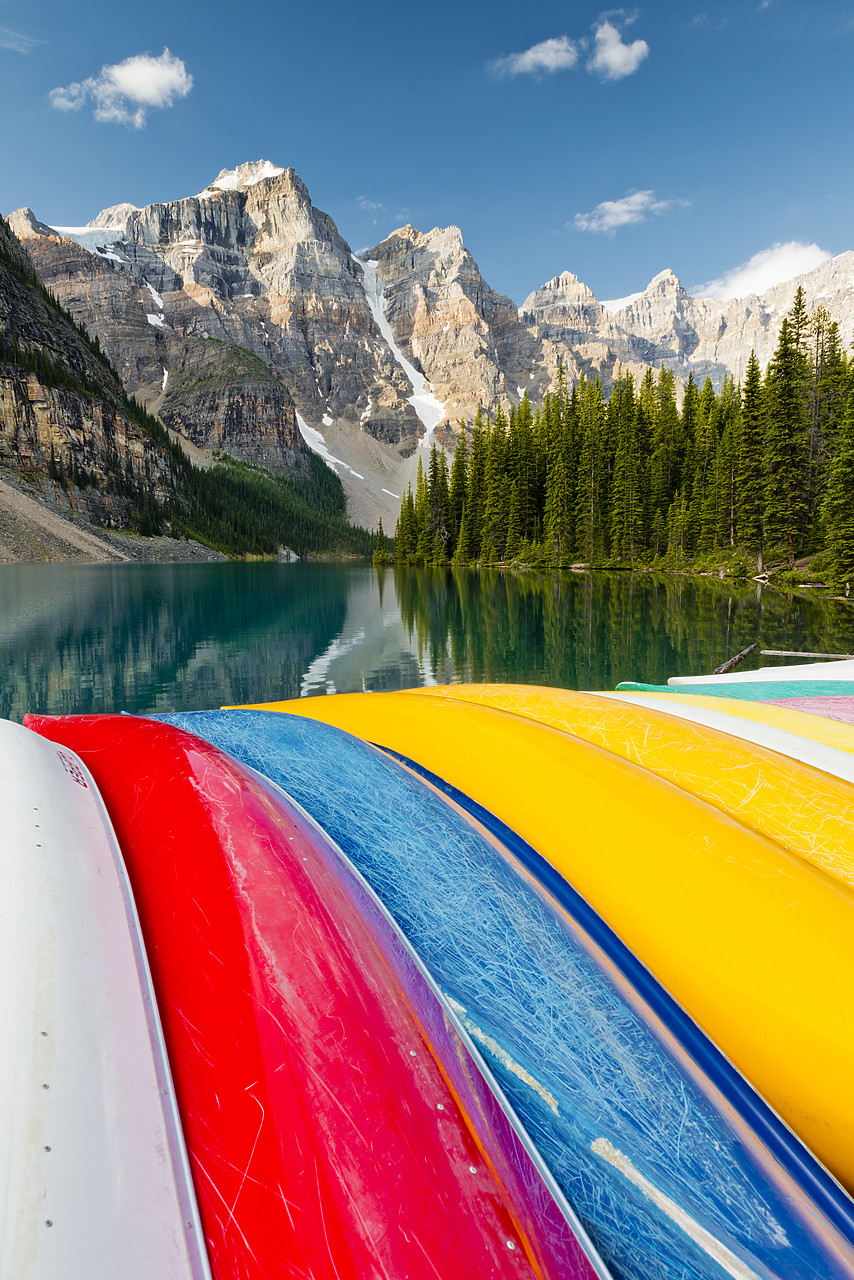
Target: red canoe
{"points": [[336, 1124]]}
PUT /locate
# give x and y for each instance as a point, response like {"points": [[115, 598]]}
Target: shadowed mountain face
{"points": [[61, 405], [176, 292]]}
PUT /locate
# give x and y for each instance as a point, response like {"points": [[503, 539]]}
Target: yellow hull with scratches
{"points": [[750, 934]]}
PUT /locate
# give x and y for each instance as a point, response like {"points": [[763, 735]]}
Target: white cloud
{"points": [[637, 206], [765, 269], [125, 92], [557, 54], [16, 40], [611, 58]]}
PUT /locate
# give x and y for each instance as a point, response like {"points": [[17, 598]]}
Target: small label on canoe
{"points": [[71, 767]]}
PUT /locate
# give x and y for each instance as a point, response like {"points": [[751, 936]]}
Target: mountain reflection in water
{"points": [[139, 637]]}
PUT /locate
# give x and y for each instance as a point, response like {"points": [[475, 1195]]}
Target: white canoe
{"points": [[94, 1180], [838, 669]]}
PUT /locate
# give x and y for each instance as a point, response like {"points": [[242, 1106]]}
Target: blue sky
{"points": [[610, 143]]}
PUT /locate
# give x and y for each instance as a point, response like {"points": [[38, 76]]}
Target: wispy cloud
{"points": [[124, 93], [557, 54], [765, 269], [375, 208], [637, 206], [371, 207], [16, 41], [612, 59]]}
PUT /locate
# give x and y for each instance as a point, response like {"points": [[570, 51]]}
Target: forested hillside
{"points": [[755, 474], [66, 418]]}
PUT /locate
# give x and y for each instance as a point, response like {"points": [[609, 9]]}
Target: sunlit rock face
{"points": [[175, 291]]}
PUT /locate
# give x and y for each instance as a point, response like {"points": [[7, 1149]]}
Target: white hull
{"points": [[94, 1182]]}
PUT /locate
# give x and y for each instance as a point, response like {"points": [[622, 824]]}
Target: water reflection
{"points": [[163, 637]]}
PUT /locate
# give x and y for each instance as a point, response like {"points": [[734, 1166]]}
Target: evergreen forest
{"points": [[753, 475]]}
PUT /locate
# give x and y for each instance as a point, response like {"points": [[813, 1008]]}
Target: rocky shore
{"points": [[38, 526]]}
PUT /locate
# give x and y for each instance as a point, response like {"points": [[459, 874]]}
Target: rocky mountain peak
{"points": [[116, 216], [563, 291], [23, 223], [245, 175], [666, 282]]}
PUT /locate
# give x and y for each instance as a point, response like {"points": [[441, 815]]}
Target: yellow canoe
{"points": [[831, 733], [753, 939], [803, 809]]}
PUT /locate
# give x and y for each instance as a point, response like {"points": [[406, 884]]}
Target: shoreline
{"points": [[34, 530]]}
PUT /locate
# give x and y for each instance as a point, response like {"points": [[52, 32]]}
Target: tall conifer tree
{"points": [[838, 507], [750, 486], [787, 444]]}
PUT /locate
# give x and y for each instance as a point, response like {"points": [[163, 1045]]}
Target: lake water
{"points": [[139, 637]]}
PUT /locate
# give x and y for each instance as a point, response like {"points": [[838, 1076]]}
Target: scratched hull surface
{"points": [[93, 1175], [796, 741], [802, 808], [637, 1131], [830, 708], [755, 943], [796, 718], [335, 1122]]}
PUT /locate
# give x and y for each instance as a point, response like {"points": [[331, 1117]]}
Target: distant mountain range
{"points": [[240, 312]]}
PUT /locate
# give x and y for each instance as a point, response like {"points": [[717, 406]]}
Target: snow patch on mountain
{"points": [[617, 304], [245, 175], [317, 444], [91, 238], [430, 410]]}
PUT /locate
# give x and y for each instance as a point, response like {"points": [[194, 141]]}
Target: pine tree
{"points": [[423, 532], [406, 534], [829, 391], [463, 551], [627, 507], [457, 489], [476, 484], [592, 513], [750, 488], [558, 518], [786, 444], [494, 528], [381, 556], [838, 506], [514, 524], [437, 503], [668, 444]]}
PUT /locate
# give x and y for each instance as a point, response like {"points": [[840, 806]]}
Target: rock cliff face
{"points": [[372, 353], [467, 339], [58, 403]]}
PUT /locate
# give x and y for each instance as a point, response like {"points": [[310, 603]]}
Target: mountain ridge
{"points": [[250, 263]]}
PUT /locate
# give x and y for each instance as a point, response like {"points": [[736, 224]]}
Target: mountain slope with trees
{"points": [[68, 427], [754, 473]]}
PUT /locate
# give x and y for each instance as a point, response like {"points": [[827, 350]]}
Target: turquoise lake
{"points": [[141, 637]]}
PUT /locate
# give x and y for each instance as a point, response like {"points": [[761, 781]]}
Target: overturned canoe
{"points": [[94, 1179]]}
